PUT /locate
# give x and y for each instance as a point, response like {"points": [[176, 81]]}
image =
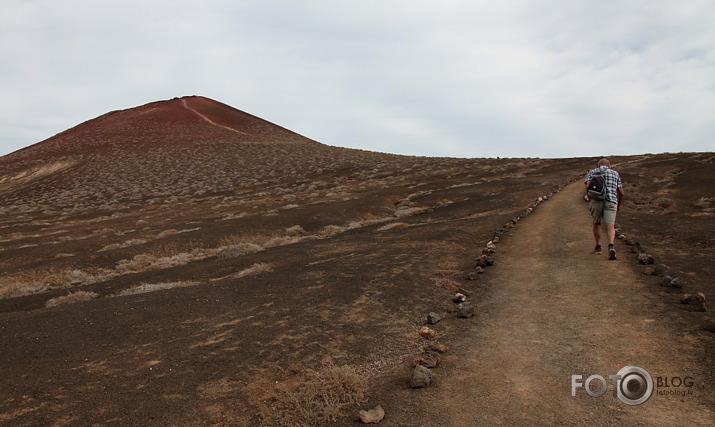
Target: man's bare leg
{"points": [[611, 230], [597, 233]]}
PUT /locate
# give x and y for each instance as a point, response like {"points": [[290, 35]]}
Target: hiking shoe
{"points": [[597, 250], [611, 253]]}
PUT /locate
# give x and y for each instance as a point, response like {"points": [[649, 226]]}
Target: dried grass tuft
{"points": [[17, 288], [237, 250], [313, 398], [128, 243], [394, 226], [257, 268], [294, 231], [146, 262], [153, 287], [41, 281], [332, 230], [704, 202], [72, 298]]}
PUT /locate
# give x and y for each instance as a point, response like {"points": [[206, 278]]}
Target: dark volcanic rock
{"points": [[466, 310], [421, 377], [645, 259], [433, 318], [430, 359], [696, 301], [661, 270]]}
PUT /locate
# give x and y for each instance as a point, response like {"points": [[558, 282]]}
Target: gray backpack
{"points": [[597, 186]]}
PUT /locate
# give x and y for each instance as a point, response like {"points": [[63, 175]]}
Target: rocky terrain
{"points": [[186, 263]]}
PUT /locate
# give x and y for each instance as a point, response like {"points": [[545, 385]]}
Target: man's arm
{"points": [[586, 195], [620, 194], [587, 181]]}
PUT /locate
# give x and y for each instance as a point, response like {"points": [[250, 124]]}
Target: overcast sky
{"points": [[477, 78]]}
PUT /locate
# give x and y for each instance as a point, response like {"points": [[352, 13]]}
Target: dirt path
{"points": [[211, 122], [553, 309]]}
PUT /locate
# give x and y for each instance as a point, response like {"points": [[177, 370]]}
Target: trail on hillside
{"points": [[553, 310], [211, 122]]}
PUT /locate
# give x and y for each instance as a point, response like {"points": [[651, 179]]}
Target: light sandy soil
{"points": [[553, 310]]}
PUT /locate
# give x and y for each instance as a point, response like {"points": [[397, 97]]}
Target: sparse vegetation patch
{"points": [[253, 270], [313, 398], [237, 249], [41, 281], [153, 287], [394, 226], [72, 298]]}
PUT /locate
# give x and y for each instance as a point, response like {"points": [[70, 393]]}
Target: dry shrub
{"points": [[140, 262], [234, 216], [239, 239], [64, 255], [404, 211], [704, 202], [361, 223], [40, 281], [253, 270], [153, 287], [19, 288], [134, 242], [128, 243], [146, 262], [72, 298], [237, 250], [80, 277], [282, 241], [394, 226], [111, 247], [177, 247], [171, 232], [232, 248], [167, 233], [332, 230], [294, 231], [104, 231], [312, 398]]}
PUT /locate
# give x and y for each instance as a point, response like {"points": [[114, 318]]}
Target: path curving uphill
{"points": [[209, 121]]}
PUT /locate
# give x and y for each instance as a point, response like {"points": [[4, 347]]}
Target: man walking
{"points": [[604, 192]]}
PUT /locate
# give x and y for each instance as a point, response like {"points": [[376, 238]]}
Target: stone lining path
{"points": [[554, 309]]}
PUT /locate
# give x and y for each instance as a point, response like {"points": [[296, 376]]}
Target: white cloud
{"points": [[453, 78]]}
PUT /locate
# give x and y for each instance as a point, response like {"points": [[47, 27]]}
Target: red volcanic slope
{"points": [[180, 147], [189, 119]]}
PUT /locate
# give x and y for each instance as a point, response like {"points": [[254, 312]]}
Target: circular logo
{"points": [[635, 385]]}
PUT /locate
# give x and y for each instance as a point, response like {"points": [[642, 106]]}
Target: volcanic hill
{"points": [[184, 262]]}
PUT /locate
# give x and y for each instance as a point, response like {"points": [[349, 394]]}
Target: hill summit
{"points": [[181, 147], [186, 120]]}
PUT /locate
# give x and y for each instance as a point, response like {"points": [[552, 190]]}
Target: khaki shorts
{"points": [[603, 210]]}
